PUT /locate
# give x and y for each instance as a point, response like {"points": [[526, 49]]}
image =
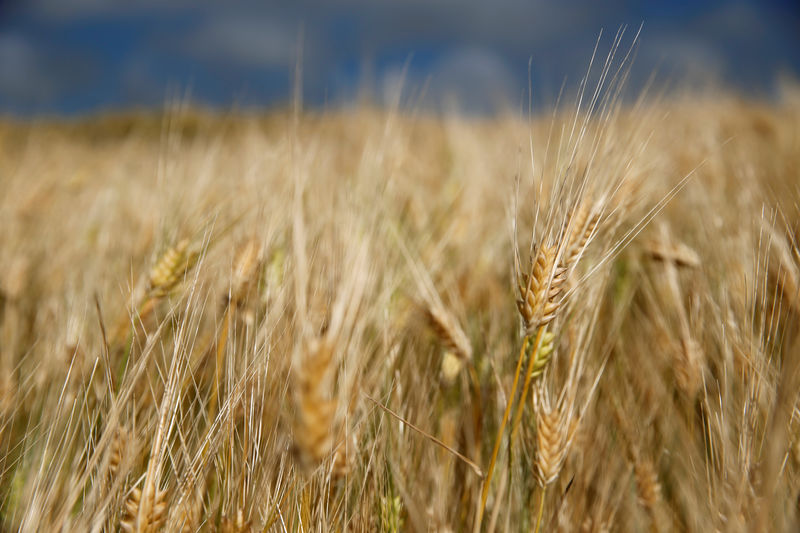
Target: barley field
{"points": [[580, 319]]}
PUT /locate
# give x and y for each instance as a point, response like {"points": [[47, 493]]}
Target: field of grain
{"points": [[363, 320]]}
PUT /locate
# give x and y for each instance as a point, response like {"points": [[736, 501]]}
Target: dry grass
{"points": [[588, 318]]}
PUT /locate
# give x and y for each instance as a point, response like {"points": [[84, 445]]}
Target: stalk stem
{"points": [[499, 438], [541, 510], [220, 362], [526, 386]]}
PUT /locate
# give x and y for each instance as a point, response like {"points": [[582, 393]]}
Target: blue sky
{"points": [[77, 56]]}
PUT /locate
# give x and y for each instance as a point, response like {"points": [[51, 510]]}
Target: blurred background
{"points": [[70, 57]]}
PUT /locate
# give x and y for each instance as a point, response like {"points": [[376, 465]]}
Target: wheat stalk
{"points": [[578, 231], [688, 366], [539, 353], [245, 269], [537, 305]]}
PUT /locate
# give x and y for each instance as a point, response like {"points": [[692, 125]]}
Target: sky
{"points": [[70, 57]]}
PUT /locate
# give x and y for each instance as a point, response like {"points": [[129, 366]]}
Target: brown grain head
{"points": [[647, 485], [579, 229], [245, 269], [235, 524], [149, 518], [171, 267], [551, 442], [315, 408], [677, 253], [689, 367], [539, 290], [116, 451], [449, 332]]}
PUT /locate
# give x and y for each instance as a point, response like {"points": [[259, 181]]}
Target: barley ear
{"points": [[539, 290], [143, 516], [550, 443], [313, 426], [245, 267], [171, 267], [446, 327], [579, 229], [647, 485], [458, 349], [236, 524]]}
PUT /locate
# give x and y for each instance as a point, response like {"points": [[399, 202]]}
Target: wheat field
{"points": [[583, 319]]}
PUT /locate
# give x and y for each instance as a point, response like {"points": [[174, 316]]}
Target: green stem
{"points": [[499, 438], [541, 510], [526, 386]]}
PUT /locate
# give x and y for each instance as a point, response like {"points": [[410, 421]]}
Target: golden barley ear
{"points": [[171, 267], [318, 434], [539, 290], [446, 327], [688, 367], [315, 409], [579, 229], [15, 279], [677, 253], [647, 485], [235, 524], [116, 452], [144, 516], [550, 443], [188, 511], [688, 355], [458, 349], [245, 268], [344, 456]]}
